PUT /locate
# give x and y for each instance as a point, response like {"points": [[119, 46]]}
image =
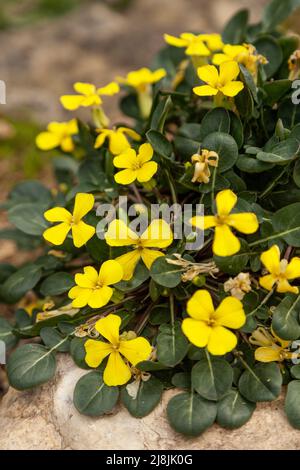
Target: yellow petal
{"points": [[176, 42], [130, 132], [111, 272], [82, 233], [47, 140], [196, 331], [197, 48], [234, 51], [293, 268], [57, 234], [101, 138], [157, 235], [205, 90], [96, 351], [118, 143], [89, 279], [128, 262], [67, 144], [209, 74], [108, 327], [146, 172], [119, 234], [100, 297], [232, 88], [221, 341], [225, 242], [267, 354], [158, 75], [125, 176], [145, 153], [58, 214], [200, 305], [220, 58], [203, 222], [135, 350], [116, 372], [80, 296], [126, 160], [83, 204], [71, 102], [230, 313], [109, 90], [93, 100], [225, 201], [246, 222], [283, 286], [149, 256], [271, 259], [267, 282], [84, 88], [228, 72], [72, 127]]}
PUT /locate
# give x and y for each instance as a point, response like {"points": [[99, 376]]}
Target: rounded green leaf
{"points": [[165, 274], [92, 397], [142, 401], [30, 365], [261, 382], [20, 282], [78, 352], [57, 284], [216, 120], [160, 144], [212, 377], [225, 146], [54, 340], [190, 414], [172, 345], [234, 410], [286, 224], [29, 217], [6, 334], [285, 320], [292, 403], [269, 48]]}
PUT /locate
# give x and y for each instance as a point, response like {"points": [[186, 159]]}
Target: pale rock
{"points": [[46, 419]]}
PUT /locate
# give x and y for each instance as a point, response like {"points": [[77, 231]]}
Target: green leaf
{"points": [[252, 165], [172, 345], [6, 334], [54, 340], [20, 282], [269, 48], [285, 321], [235, 30], [150, 366], [225, 146], [281, 153], [190, 414], [29, 217], [286, 224], [236, 263], [160, 314], [29, 191], [160, 144], [295, 371], [212, 377], [276, 89], [292, 403], [277, 11], [160, 113], [234, 410], [30, 365], [92, 397], [78, 352], [165, 274], [261, 382], [182, 380], [57, 284], [141, 274], [216, 120], [147, 397], [236, 129]]}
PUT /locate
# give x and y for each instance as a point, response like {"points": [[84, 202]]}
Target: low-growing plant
{"points": [[205, 298]]}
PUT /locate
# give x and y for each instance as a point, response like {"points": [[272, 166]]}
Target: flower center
{"points": [[99, 285], [221, 219], [136, 166]]}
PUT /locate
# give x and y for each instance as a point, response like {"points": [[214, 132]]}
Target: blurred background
{"points": [[47, 45]]}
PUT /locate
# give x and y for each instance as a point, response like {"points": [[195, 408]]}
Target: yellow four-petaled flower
{"points": [[281, 271], [117, 139], [137, 166], [221, 82], [58, 134], [88, 95], [196, 45]]}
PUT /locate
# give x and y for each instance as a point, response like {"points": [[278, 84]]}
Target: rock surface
{"points": [[46, 419]]}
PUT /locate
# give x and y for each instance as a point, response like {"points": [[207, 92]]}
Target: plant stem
{"points": [[172, 187], [172, 309]]}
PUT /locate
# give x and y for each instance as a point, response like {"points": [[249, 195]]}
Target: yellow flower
{"points": [[245, 55], [88, 95], [281, 272], [209, 327], [196, 45], [272, 348], [58, 134], [225, 242], [81, 232], [117, 371], [137, 166], [202, 163], [141, 80], [223, 82], [157, 235], [118, 141], [93, 288]]}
